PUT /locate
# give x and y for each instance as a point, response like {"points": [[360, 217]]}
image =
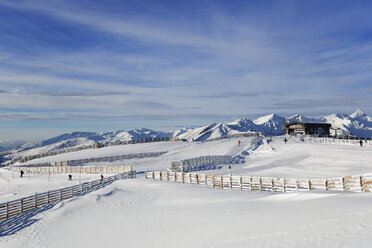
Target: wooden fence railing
{"points": [[15, 207], [333, 140], [356, 183], [105, 159], [73, 169], [93, 146], [186, 165]]}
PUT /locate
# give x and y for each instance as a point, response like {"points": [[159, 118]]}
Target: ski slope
{"points": [[147, 213]]}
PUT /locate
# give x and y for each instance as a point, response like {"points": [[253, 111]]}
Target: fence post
{"points": [[7, 210], [60, 192]]}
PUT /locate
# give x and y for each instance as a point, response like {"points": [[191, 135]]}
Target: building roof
{"points": [[307, 124]]}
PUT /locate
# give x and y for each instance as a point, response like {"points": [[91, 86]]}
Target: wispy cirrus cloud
{"points": [[192, 59]]}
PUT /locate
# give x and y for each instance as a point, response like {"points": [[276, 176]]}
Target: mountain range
{"points": [[357, 124]]}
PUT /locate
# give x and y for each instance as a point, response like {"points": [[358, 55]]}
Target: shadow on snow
{"points": [[19, 222]]}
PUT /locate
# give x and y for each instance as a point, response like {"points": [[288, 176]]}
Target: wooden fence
{"points": [[73, 169], [186, 165], [93, 146], [333, 140], [355, 183], [106, 159], [15, 207]]}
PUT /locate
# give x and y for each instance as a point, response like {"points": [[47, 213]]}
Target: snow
{"points": [[146, 213], [265, 119], [358, 113], [14, 187], [357, 124]]}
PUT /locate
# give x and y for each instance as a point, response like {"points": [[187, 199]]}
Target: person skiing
{"points": [[69, 177], [239, 143], [285, 140], [22, 172], [101, 177], [361, 142]]}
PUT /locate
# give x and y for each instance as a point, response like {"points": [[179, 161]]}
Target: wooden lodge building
{"points": [[297, 127]]}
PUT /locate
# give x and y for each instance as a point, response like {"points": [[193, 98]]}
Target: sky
{"points": [[118, 65]]}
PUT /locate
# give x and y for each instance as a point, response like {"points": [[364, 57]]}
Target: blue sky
{"points": [[108, 65]]}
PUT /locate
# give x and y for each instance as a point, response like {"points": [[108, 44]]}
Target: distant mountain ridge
{"points": [[357, 124]]}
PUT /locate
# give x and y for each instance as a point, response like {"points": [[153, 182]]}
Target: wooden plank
{"points": [[290, 185], [335, 183], [267, 184], [194, 178], [186, 178], [367, 182], [41, 199], [255, 184], [172, 176], [278, 185], [202, 179], [303, 184], [164, 176], [318, 184], [209, 181], [157, 175], [217, 181], [246, 183], [353, 183], [226, 182], [236, 182]]}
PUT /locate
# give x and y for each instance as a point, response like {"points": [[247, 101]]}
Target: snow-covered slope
{"points": [[6, 145], [272, 124], [152, 213], [357, 124]]}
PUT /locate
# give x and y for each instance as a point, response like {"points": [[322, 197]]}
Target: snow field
{"points": [[147, 213], [14, 187], [141, 213]]}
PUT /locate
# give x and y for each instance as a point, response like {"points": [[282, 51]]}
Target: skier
{"points": [[361, 142], [69, 177], [22, 172], [285, 140], [101, 177], [239, 143]]}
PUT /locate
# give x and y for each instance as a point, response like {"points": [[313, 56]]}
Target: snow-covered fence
{"points": [[95, 160], [349, 183], [187, 165], [15, 207], [94, 146], [333, 140], [236, 135], [74, 169]]}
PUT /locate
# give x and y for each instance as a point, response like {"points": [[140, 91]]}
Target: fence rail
{"points": [[186, 165], [73, 169], [356, 183], [237, 135], [15, 207], [333, 140], [94, 146], [106, 159]]}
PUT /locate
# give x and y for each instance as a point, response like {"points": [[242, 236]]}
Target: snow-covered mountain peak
{"points": [[239, 122], [358, 113], [268, 118], [357, 124]]}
